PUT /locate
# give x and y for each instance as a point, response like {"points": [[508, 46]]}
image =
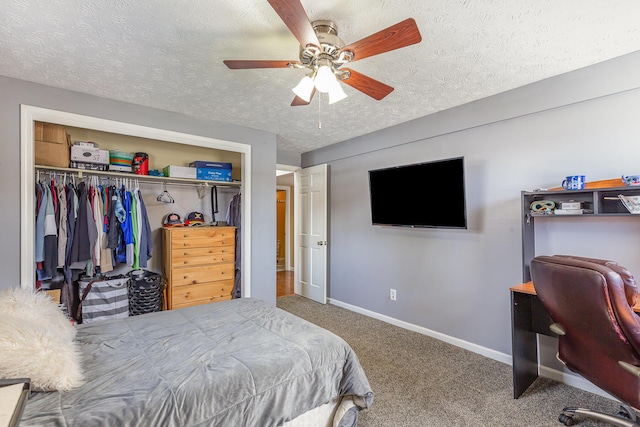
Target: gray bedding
{"points": [[234, 363]]}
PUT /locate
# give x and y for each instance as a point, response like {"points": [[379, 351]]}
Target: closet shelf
{"points": [[146, 178]]}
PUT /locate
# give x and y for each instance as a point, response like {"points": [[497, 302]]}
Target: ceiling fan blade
{"points": [[247, 64], [293, 14], [402, 34], [367, 85], [297, 101]]}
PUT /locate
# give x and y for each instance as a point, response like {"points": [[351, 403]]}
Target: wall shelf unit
{"points": [[145, 178], [596, 202]]}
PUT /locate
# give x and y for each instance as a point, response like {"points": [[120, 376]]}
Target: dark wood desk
{"points": [[528, 318]]}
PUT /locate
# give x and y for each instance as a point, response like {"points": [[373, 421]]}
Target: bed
{"points": [[241, 362]]}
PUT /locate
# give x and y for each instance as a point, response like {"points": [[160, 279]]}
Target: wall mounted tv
{"points": [[430, 194]]}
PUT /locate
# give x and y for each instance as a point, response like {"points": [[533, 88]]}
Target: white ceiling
{"points": [[168, 54]]}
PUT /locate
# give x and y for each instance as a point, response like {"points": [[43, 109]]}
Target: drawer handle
{"points": [[194, 282], [185, 262], [185, 244]]}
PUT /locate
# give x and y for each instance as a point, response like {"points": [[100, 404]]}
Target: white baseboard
{"points": [[572, 380], [562, 377]]}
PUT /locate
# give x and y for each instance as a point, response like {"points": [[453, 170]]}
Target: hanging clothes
{"points": [[146, 238], [62, 224], [97, 224], [114, 232], [106, 255], [78, 228], [135, 264], [81, 245], [127, 227], [234, 218], [42, 212], [50, 236], [71, 227], [123, 225]]}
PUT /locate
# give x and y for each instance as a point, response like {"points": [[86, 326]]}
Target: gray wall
{"points": [[288, 158], [16, 92], [455, 282]]}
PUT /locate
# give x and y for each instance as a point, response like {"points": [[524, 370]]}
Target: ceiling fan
{"points": [[324, 54]]}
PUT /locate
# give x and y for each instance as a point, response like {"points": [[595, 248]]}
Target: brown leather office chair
{"points": [[591, 302]]}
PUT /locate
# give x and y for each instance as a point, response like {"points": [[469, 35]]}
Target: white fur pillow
{"points": [[39, 307], [36, 343]]}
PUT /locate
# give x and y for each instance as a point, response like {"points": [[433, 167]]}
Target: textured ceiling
{"points": [[168, 54]]}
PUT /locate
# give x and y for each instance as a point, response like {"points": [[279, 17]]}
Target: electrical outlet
{"points": [[392, 294]]}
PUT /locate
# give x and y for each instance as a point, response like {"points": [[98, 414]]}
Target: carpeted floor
{"points": [[420, 381]]}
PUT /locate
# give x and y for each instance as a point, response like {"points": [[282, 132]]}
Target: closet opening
{"points": [[199, 196]]}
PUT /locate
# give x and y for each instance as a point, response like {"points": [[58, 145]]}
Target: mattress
{"points": [[241, 362]]}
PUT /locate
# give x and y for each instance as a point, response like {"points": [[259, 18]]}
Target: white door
{"points": [[310, 273]]}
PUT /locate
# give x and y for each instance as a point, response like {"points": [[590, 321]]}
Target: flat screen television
{"points": [[430, 195]]}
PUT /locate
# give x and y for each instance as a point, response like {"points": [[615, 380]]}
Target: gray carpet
{"points": [[421, 381]]}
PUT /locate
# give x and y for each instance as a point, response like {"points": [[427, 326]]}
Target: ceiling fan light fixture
{"points": [[304, 89], [324, 78], [336, 93]]}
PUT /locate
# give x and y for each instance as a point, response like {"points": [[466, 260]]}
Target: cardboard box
{"points": [[179, 172], [52, 145], [211, 165], [214, 174], [83, 153]]}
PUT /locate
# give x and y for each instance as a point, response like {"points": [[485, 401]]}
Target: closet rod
{"points": [[148, 179]]}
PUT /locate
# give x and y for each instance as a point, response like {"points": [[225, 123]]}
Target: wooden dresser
{"points": [[198, 264]]}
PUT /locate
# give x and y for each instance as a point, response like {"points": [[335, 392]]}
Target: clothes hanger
{"points": [[165, 197], [201, 190]]}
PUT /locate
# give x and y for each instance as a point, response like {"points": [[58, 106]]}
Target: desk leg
{"points": [[524, 346]]}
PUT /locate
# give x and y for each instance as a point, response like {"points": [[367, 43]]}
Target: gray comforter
{"points": [[235, 363]]}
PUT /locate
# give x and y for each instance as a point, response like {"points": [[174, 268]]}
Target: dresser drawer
{"points": [[185, 257], [202, 274], [203, 237], [202, 301], [201, 293]]}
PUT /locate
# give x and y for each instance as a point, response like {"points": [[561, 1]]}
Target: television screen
{"points": [[430, 194]]}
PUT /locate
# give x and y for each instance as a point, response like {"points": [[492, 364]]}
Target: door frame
{"points": [[287, 226], [30, 114]]}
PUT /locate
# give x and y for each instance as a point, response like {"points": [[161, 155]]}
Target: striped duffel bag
{"points": [[103, 298]]}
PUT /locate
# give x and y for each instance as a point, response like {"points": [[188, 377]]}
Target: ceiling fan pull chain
{"points": [[319, 103]]}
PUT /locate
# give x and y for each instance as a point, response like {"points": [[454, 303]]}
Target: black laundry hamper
{"points": [[146, 290]]}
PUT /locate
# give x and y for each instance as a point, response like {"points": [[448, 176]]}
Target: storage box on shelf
{"points": [[51, 145], [214, 174], [198, 264], [213, 171], [179, 172], [82, 153], [88, 157]]}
